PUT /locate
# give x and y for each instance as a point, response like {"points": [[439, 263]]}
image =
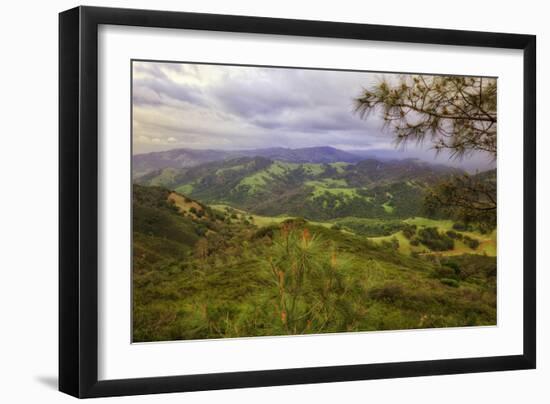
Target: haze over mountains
{"points": [[184, 157], [318, 183]]}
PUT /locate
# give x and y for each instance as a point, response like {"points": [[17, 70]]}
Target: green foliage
{"points": [[367, 189], [475, 268], [454, 235], [314, 291], [202, 277], [449, 282], [455, 113], [391, 244], [371, 227], [444, 272], [433, 239], [388, 293], [460, 226], [453, 265], [471, 242], [409, 231], [466, 198]]}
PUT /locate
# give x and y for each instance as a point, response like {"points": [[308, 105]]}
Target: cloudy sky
{"points": [[178, 105]]}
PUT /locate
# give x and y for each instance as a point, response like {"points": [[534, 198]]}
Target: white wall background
{"points": [[28, 201]]}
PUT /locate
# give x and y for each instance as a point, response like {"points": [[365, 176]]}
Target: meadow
{"points": [[213, 271]]}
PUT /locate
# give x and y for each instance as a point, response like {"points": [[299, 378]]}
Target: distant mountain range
{"points": [[183, 158]]}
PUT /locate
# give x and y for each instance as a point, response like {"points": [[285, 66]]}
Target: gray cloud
{"points": [[234, 107]]}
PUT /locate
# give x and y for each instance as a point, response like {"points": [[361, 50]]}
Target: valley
{"points": [[291, 242]]}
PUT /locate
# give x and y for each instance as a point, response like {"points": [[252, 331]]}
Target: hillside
{"points": [[204, 271], [316, 191], [181, 158]]}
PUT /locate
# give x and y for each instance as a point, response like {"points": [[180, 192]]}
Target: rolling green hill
{"points": [[316, 191], [215, 271]]}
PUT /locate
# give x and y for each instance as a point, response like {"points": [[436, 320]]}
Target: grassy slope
{"points": [[318, 191], [487, 241], [235, 298], [226, 287], [262, 221]]}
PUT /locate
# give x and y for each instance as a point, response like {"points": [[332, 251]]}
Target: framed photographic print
{"points": [[251, 201]]}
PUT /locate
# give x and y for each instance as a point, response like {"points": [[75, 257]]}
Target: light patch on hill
{"points": [[387, 207], [336, 187], [184, 204], [185, 189], [263, 177], [166, 176], [340, 166], [259, 220], [313, 169], [487, 242]]}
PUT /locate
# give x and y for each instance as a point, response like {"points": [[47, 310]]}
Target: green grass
{"points": [[335, 187], [263, 221], [404, 245], [340, 167], [256, 180], [211, 277], [347, 193], [260, 179], [313, 169], [185, 189], [233, 168], [166, 176], [352, 225], [388, 208], [233, 292], [328, 183], [487, 241], [425, 222], [281, 167]]}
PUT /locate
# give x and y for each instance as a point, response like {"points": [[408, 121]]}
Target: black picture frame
{"points": [[78, 201]]}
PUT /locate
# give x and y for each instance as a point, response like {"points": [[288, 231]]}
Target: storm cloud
{"points": [[202, 106]]}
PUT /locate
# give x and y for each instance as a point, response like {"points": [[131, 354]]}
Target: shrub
{"points": [[473, 243], [462, 226], [453, 265], [392, 244], [454, 235], [371, 227], [200, 230], [453, 283], [409, 231], [434, 240], [444, 272], [388, 293], [262, 232]]}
